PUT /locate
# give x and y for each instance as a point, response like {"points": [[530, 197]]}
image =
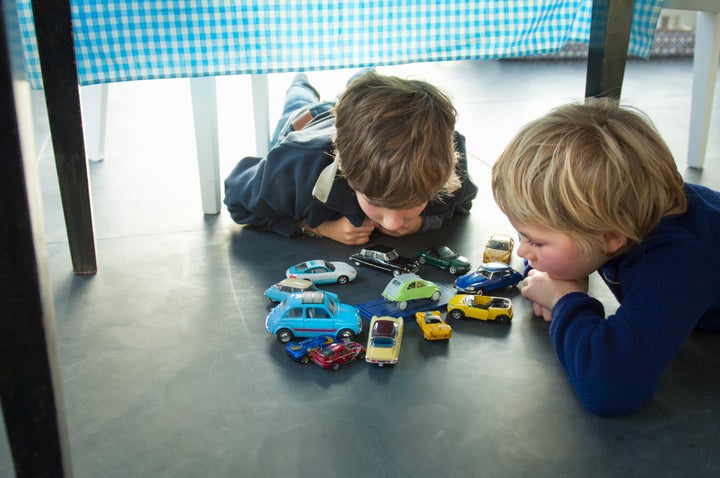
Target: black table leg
{"points": [[30, 389], [609, 40], [53, 29]]}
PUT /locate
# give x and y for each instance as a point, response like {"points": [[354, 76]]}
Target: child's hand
{"points": [[343, 231], [544, 291], [541, 311]]}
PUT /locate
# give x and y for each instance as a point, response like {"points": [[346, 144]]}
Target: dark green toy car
{"points": [[444, 258]]}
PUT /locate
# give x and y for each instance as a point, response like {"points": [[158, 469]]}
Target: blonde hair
{"points": [[587, 169], [395, 139]]}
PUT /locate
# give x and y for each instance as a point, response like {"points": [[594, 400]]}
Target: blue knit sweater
{"points": [[667, 286]]}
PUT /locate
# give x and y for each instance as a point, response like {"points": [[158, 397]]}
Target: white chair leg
{"points": [[261, 105], [204, 102], [93, 99], [705, 65]]}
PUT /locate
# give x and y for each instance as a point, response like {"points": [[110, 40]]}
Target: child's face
{"points": [[392, 220], [556, 253]]}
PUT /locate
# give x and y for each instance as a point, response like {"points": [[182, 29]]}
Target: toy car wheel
{"points": [[335, 366], [361, 356], [421, 259], [396, 272], [502, 319], [285, 336], [305, 359], [479, 292], [402, 305], [456, 314], [452, 270], [346, 335], [342, 280], [436, 295], [356, 263]]}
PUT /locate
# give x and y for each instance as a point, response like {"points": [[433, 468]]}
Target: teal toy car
{"points": [[444, 258], [309, 314], [406, 287], [278, 292]]}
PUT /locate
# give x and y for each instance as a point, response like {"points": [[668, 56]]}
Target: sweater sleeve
{"points": [[461, 200], [614, 364], [272, 193]]}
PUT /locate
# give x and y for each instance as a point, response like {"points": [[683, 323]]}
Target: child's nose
{"points": [[523, 250], [392, 222]]}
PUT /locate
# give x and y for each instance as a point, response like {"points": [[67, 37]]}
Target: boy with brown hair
{"points": [[385, 156], [593, 187]]}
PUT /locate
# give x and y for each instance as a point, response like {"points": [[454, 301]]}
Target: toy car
{"points": [[384, 339], [499, 248], [481, 307], [405, 287], [432, 325], [444, 258], [487, 277], [285, 287], [301, 351], [309, 314], [384, 258], [320, 271], [337, 354]]}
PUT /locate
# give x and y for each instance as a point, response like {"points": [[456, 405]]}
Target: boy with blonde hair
{"points": [[385, 156], [593, 187]]}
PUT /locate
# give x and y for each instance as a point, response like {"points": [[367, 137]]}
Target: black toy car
{"points": [[384, 258]]}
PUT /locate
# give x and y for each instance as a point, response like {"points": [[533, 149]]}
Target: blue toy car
{"points": [[309, 314], [278, 292], [301, 351], [490, 276]]}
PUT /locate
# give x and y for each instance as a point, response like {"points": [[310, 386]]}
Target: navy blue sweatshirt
{"points": [[667, 286]]}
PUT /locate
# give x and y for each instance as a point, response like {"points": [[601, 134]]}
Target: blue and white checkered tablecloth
{"points": [[124, 40]]}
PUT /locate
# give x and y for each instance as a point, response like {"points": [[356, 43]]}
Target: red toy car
{"points": [[338, 354]]}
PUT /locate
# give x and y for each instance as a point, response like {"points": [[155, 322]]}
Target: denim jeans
{"points": [[299, 98]]}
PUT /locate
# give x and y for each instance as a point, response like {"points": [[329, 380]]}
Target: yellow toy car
{"points": [[483, 307], [499, 248], [384, 339], [432, 325]]}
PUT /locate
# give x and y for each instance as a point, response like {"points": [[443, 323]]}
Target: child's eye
{"points": [[528, 241]]}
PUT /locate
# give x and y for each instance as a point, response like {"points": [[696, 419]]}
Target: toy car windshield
{"points": [[384, 342]]}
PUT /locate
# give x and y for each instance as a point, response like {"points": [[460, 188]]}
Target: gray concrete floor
{"points": [[168, 372]]}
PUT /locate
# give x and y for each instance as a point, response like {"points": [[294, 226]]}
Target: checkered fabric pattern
{"points": [[644, 22], [122, 40]]}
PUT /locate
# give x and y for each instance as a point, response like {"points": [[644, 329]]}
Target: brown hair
{"points": [[587, 169], [395, 140]]}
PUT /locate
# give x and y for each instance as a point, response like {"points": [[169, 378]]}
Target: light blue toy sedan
{"points": [[320, 271], [278, 292]]}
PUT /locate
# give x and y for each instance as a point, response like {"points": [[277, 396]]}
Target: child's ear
{"points": [[614, 241]]}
